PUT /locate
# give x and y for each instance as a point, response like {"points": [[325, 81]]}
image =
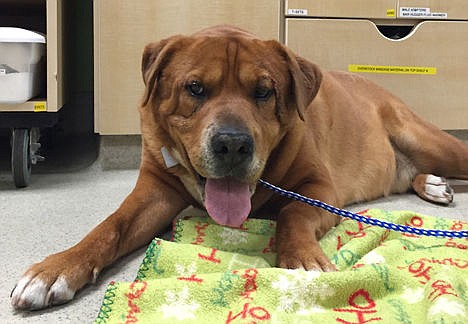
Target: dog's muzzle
{"points": [[227, 172]]}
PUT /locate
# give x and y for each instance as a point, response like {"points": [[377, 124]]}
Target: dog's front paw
{"points": [[53, 281], [308, 256]]}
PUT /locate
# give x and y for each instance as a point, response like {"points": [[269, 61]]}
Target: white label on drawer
{"points": [[392, 69], [418, 12], [298, 12], [439, 15], [2, 71]]}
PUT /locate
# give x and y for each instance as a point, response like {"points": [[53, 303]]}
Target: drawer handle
{"points": [[395, 32]]}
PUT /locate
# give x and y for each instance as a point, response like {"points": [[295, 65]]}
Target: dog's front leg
{"points": [[299, 229], [145, 213]]}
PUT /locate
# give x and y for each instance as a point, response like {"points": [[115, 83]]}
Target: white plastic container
{"points": [[21, 64]]}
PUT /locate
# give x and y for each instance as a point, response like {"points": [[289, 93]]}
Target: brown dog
{"points": [[223, 109]]}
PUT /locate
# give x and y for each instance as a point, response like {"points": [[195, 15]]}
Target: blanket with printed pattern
{"points": [[213, 274]]}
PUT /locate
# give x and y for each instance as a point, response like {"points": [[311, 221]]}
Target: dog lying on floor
{"points": [[221, 110]]}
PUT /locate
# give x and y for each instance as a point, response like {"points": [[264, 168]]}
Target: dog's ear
{"points": [[307, 81], [155, 57], [306, 78]]}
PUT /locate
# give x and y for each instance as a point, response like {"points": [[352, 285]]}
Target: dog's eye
{"points": [[262, 93], [196, 89]]}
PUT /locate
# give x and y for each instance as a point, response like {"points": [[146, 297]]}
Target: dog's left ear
{"points": [[307, 81], [306, 78], [155, 57]]}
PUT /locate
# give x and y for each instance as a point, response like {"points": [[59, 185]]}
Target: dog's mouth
{"points": [[227, 199]]}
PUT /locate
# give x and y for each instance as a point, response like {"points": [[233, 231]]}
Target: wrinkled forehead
{"points": [[225, 57]]}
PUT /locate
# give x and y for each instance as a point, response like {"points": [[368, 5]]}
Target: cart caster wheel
{"points": [[21, 157]]}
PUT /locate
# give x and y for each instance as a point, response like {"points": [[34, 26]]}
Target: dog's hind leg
{"points": [[433, 154], [427, 186]]}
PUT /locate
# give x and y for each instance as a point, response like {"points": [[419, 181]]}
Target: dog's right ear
{"points": [[155, 57]]}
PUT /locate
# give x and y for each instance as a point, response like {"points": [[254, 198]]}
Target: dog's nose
{"points": [[232, 146]]}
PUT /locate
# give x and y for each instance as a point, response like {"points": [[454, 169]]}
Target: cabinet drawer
{"points": [[433, 9], [122, 29], [428, 69], [340, 8]]}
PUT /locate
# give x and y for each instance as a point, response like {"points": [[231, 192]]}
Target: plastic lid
{"points": [[19, 35]]}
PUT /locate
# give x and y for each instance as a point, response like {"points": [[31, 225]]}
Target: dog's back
{"points": [[375, 145]]}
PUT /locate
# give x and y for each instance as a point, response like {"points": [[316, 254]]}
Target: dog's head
{"points": [[224, 100]]}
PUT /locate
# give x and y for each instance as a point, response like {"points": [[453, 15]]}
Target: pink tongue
{"points": [[227, 201]]}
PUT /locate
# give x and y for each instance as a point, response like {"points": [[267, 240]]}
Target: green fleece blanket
{"points": [[213, 274]]}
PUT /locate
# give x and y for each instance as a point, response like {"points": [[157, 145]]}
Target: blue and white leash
{"points": [[363, 219]]}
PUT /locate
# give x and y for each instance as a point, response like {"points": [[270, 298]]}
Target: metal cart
{"points": [[26, 119]]}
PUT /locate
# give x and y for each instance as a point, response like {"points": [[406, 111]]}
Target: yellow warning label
{"points": [[390, 12], [391, 69], [40, 106]]}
